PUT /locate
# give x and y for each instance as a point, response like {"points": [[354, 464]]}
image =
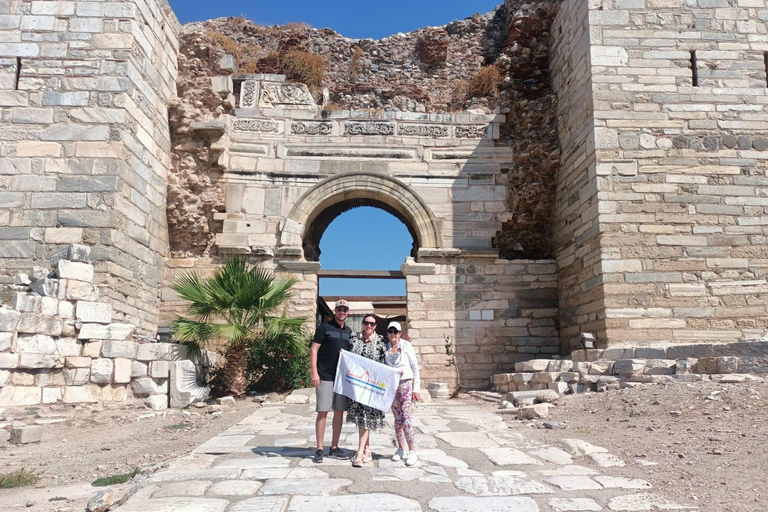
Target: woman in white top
{"points": [[401, 356]]}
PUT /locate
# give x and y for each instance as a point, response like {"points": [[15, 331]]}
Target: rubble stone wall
{"points": [[85, 141], [681, 133], [59, 343], [576, 233], [489, 313]]}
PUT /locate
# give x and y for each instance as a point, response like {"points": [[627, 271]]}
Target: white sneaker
{"points": [[411, 458], [399, 455]]}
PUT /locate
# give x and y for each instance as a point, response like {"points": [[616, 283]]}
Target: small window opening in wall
{"points": [[765, 65], [236, 86], [18, 74], [694, 69]]}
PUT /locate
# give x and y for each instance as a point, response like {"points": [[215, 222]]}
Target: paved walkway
{"points": [[469, 462]]}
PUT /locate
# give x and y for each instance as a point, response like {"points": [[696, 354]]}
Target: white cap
{"points": [[396, 325]]}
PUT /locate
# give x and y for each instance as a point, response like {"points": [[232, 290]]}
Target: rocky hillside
{"points": [[498, 59]]}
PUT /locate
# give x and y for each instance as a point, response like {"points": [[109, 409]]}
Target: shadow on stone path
{"points": [[469, 461]]}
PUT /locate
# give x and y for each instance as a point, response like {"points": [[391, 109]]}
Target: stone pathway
{"points": [[469, 462]]}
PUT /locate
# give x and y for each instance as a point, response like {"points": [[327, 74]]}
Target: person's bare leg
{"points": [[320, 428], [362, 442], [338, 422]]}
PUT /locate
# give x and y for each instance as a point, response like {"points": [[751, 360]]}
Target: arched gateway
{"points": [[291, 169]]}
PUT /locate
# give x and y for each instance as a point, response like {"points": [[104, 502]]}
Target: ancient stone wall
{"points": [[681, 119], [59, 343], [490, 314], [576, 233], [85, 152]]}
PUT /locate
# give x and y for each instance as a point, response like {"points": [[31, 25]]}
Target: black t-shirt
{"points": [[331, 338]]}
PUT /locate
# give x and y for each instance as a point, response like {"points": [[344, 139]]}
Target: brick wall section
{"points": [[85, 148], [681, 168], [494, 312], [577, 243]]}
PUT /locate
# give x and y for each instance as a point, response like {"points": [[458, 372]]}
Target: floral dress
{"points": [[357, 413]]}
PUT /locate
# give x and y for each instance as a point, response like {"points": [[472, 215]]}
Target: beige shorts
{"points": [[327, 400]]}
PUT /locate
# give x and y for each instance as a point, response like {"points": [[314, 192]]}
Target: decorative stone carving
{"points": [[368, 128], [422, 130], [304, 128], [257, 125], [471, 132], [248, 96], [184, 387], [285, 94]]}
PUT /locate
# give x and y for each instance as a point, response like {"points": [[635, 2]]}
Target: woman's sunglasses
{"points": [[369, 323]]}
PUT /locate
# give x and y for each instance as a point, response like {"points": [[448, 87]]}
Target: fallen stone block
{"points": [[228, 401], [629, 366], [547, 396], [660, 367], [185, 389], [26, 435], [147, 386], [569, 377], [533, 412], [577, 447], [560, 365], [532, 365], [21, 280], [588, 355], [102, 501], [438, 390], [157, 402], [605, 383], [559, 387]]}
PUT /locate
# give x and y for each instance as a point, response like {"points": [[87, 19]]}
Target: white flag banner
{"points": [[365, 381]]}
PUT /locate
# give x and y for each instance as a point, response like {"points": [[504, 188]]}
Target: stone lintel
{"points": [[300, 266]]}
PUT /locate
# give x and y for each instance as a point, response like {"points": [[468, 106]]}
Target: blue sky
{"points": [[364, 239], [351, 18]]}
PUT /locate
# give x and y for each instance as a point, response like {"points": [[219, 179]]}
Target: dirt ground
{"points": [[83, 443], [708, 439]]}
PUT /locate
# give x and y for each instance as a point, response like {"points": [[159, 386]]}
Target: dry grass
{"points": [[484, 83], [304, 67], [219, 40]]}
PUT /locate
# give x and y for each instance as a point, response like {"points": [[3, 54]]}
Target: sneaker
{"points": [[318, 457], [338, 453], [399, 454], [411, 458]]}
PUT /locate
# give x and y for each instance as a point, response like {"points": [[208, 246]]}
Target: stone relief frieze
{"points": [[368, 128], [471, 132], [305, 128], [249, 94], [257, 125], [285, 94], [422, 130]]}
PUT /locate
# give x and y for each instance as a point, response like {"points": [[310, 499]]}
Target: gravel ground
{"points": [[707, 439]]}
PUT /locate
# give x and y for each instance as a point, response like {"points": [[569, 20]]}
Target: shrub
{"points": [[304, 67], [484, 83], [279, 364], [19, 478]]}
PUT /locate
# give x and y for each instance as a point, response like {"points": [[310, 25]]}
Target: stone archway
{"points": [[361, 188]]}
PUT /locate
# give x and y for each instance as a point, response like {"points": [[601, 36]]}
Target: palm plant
{"points": [[236, 307]]}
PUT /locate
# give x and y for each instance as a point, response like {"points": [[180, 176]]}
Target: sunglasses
{"points": [[392, 331], [342, 310], [369, 323]]}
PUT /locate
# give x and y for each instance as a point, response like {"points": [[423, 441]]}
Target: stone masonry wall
{"points": [[85, 151], [59, 343], [576, 230], [492, 313], [681, 166]]}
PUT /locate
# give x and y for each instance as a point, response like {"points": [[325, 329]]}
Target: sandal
{"points": [[358, 461], [367, 457]]}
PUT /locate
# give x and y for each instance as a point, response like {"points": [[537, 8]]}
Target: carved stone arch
{"points": [[345, 191]]}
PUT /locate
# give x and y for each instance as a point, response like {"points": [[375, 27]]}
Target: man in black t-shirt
{"points": [[330, 338]]}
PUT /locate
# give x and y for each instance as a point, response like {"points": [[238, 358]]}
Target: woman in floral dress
{"points": [[372, 346]]}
